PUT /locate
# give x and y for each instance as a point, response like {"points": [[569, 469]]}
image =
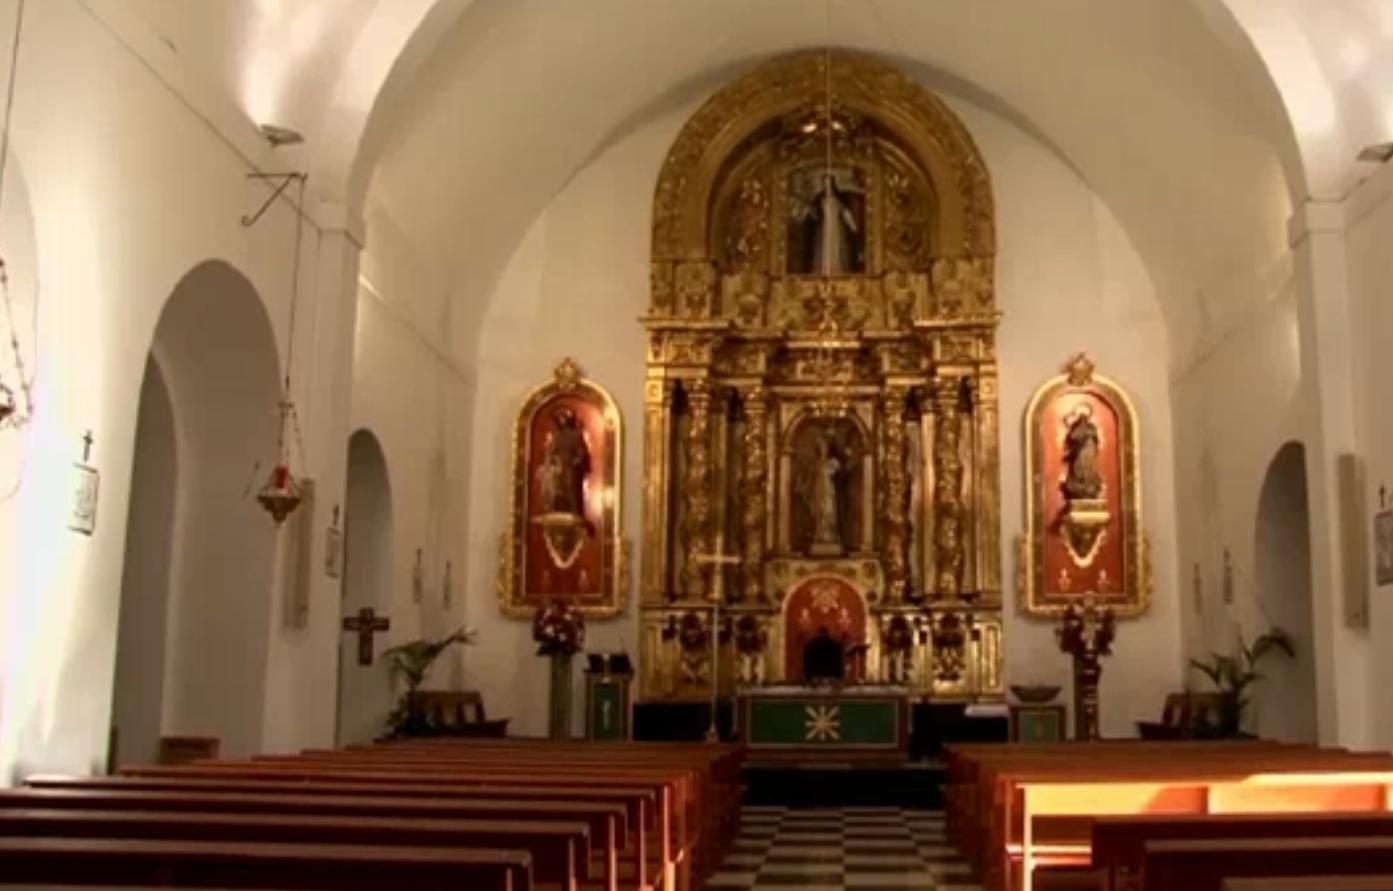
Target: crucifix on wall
{"points": [[365, 625]]}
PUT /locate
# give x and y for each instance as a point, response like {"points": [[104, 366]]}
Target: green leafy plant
{"points": [[410, 663], [1233, 677]]}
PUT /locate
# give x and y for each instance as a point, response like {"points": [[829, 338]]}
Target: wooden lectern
{"points": [[609, 700]]}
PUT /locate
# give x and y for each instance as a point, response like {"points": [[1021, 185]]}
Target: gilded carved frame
{"points": [[1041, 597], [517, 593], [915, 356]]}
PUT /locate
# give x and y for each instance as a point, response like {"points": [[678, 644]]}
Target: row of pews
{"points": [[501, 814], [1172, 816]]}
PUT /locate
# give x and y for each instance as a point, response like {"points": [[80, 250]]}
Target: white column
{"points": [[1329, 428]]}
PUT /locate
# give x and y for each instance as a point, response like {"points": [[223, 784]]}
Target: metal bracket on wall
{"points": [[285, 179]]}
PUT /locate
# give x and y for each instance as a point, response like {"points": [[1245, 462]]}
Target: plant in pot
{"points": [[410, 663], [1233, 677]]}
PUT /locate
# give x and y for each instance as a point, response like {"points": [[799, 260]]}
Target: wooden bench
{"points": [[487, 788], [666, 783], [598, 820], [558, 850], [1205, 865], [126, 862], [1119, 843], [1312, 883], [1012, 810]]}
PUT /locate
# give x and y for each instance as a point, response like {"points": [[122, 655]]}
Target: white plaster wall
{"points": [[1234, 410], [131, 188], [1068, 280], [138, 698], [412, 396], [365, 690], [1369, 237]]}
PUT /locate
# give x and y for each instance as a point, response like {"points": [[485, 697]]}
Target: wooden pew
{"points": [[557, 849], [33, 861], [578, 783], [1002, 799], [608, 827], [1119, 843], [1312, 883], [634, 802], [306, 805], [1193, 865]]}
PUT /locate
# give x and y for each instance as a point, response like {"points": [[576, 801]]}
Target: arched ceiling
{"points": [[1198, 121]]}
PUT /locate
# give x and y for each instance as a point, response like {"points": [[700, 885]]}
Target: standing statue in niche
{"points": [[824, 499], [1083, 481], [828, 225], [565, 466]]}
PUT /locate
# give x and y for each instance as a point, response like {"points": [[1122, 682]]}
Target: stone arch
{"points": [[365, 691], [215, 351], [1286, 698]]}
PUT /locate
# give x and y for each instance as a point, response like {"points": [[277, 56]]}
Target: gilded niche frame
{"points": [[745, 345], [1088, 544], [564, 537]]}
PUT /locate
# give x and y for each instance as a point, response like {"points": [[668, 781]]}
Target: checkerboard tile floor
{"points": [[841, 849]]}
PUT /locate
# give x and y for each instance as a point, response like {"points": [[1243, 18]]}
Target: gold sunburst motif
{"points": [[824, 723]]}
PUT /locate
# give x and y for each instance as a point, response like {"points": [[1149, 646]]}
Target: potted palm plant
{"points": [[410, 663], [1233, 677]]}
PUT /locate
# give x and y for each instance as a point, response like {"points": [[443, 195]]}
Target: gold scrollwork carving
{"points": [[895, 471], [753, 488], [698, 487], [948, 474]]}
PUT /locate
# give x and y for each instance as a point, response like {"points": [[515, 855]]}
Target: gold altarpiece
{"points": [[822, 402]]}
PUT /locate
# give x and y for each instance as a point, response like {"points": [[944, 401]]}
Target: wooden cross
{"points": [[365, 625], [87, 441], [719, 559]]}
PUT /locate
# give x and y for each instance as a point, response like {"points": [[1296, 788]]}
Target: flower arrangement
{"points": [[558, 628]]}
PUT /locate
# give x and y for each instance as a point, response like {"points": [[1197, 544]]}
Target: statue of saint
{"points": [[1084, 481], [565, 466], [831, 231], [826, 501]]}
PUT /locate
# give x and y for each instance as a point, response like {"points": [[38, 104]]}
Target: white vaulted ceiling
{"points": [[1200, 122]]}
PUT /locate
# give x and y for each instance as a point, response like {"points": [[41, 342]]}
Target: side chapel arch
{"points": [[765, 319]]}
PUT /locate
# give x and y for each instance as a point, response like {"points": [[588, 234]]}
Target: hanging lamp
{"points": [[283, 493]]}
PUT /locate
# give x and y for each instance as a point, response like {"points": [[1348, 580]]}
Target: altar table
{"points": [[842, 720]]}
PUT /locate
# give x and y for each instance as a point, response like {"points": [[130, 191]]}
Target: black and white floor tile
{"points": [[842, 849]]}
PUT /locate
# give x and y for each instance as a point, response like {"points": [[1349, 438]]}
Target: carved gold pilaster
{"points": [[987, 488], [697, 488], [657, 486], [755, 493], [895, 480], [948, 485]]}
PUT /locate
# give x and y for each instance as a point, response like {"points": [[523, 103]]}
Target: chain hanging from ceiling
{"points": [[283, 492], [16, 409]]}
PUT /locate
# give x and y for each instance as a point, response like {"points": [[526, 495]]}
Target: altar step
{"points": [[825, 783]]}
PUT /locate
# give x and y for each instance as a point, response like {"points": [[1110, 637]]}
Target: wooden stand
{"points": [[1087, 636], [609, 696]]}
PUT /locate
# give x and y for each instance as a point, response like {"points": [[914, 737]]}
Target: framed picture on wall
{"points": [[82, 512], [1383, 547]]}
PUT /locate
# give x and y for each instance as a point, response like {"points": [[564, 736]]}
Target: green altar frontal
{"points": [[849, 719]]}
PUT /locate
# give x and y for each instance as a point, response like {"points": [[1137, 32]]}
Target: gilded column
{"points": [[657, 528], [948, 485], [895, 491], [988, 486], [754, 493], [697, 489]]}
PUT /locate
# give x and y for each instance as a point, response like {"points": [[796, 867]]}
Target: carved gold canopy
{"points": [[821, 394]]}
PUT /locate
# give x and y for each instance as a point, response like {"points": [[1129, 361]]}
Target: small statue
{"points": [[565, 466], [1083, 482], [826, 495]]}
